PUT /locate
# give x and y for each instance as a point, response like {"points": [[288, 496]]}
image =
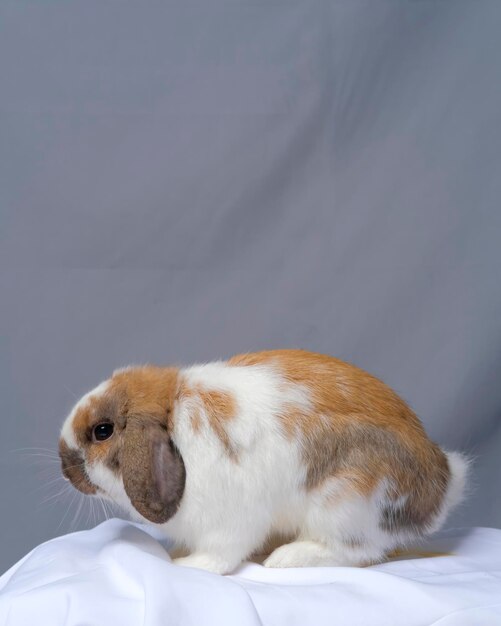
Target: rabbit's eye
{"points": [[102, 431]]}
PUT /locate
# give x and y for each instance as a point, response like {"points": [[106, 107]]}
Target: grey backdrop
{"points": [[186, 180]]}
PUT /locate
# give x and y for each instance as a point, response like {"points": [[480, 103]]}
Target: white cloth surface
{"points": [[119, 573]]}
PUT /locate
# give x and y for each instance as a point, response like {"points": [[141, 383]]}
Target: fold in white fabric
{"points": [[120, 573]]}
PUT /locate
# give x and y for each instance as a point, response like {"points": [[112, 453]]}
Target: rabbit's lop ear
{"points": [[152, 469]]}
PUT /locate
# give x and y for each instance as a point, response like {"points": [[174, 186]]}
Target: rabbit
{"points": [[222, 456]]}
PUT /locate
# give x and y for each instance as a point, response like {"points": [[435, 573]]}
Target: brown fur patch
{"points": [[196, 420], [187, 394], [359, 429], [148, 390], [73, 468], [219, 407]]}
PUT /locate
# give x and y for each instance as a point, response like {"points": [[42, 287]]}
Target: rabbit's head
{"points": [[116, 443]]}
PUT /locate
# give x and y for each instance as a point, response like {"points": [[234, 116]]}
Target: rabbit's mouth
{"points": [[73, 468]]}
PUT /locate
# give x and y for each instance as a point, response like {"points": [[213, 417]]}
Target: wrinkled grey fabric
{"points": [[181, 181]]}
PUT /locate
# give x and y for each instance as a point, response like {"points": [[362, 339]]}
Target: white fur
{"points": [[232, 503], [459, 466], [235, 501]]}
